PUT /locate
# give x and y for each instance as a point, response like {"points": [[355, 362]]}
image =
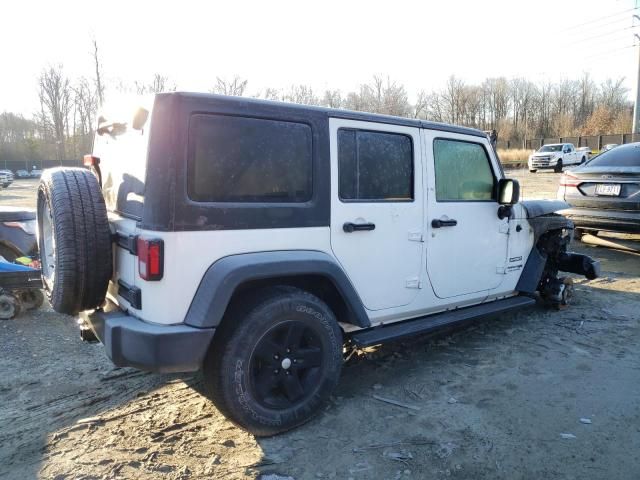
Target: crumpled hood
{"points": [[537, 208]]}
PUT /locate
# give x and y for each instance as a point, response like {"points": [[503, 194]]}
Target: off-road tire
{"points": [[233, 367], [558, 167], [9, 306], [82, 260]]}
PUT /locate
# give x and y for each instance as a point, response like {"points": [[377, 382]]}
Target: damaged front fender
{"points": [[552, 235]]}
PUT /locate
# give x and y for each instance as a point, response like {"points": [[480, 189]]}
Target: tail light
{"points": [[568, 180], [150, 259], [91, 161]]}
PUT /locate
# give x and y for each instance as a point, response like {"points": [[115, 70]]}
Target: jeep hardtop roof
{"points": [[255, 104]]}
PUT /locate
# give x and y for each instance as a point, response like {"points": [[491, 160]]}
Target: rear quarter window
{"points": [[623, 156], [243, 159], [123, 161]]}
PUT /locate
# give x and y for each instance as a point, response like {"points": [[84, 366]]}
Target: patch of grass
{"points": [[514, 155]]}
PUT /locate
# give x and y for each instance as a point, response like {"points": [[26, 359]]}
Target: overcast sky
{"points": [[337, 44]]}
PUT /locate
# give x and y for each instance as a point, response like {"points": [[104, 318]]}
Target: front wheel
{"points": [[532, 170], [558, 167], [274, 361]]}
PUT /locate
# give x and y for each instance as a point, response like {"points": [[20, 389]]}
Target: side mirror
{"points": [[140, 118], [508, 191]]}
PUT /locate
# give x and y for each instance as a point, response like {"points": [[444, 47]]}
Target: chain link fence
{"points": [[594, 142]]}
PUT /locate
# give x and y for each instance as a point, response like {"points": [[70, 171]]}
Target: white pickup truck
{"points": [[556, 156]]}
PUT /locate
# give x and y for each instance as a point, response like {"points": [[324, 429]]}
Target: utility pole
{"points": [[636, 105]]}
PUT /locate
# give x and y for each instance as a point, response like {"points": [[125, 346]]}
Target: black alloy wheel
{"points": [[285, 365]]}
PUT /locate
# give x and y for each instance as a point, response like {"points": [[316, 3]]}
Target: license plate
{"points": [[610, 189]]}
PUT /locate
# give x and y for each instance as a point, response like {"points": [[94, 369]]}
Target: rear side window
{"points": [[463, 171], [241, 159], [622, 156], [375, 166], [122, 151]]}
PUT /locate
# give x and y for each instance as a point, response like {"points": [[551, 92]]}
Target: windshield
{"points": [[622, 156], [551, 148]]}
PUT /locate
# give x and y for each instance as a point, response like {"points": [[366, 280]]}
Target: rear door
{"points": [[122, 153], [466, 241], [573, 154], [377, 209]]}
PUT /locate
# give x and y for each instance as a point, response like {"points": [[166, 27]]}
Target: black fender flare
{"points": [[224, 276], [541, 222]]}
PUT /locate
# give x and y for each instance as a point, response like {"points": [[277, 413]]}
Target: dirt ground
{"points": [[535, 394]]}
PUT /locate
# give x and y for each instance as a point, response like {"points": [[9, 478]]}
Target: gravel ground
{"points": [[529, 395]]}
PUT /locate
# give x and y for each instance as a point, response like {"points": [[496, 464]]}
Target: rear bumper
{"points": [[130, 342], [611, 220]]}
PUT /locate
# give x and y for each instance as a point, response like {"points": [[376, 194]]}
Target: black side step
{"points": [[408, 328]]}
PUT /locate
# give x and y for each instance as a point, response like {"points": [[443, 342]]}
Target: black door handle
{"points": [[349, 227], [437, 223]]}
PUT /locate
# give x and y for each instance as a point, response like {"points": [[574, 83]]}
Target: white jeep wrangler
{"points": [[261, 240]]}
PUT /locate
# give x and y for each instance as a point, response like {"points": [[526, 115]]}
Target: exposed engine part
{"points": [[580, 264], [86, 334], [558, 292], [553, 245]]}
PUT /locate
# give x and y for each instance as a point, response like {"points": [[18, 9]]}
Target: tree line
{"points": [[517, 108]]}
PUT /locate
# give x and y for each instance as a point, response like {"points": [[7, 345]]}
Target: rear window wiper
{"points": [[113, 129]]}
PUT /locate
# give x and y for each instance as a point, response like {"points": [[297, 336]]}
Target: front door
{"points": [[376, 209], [466, 241]]}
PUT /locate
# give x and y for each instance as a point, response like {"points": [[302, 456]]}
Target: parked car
{"points": [[285, 234], [556, 156], [9, 175], [4, 180], [604, 194], [35, 173], [608, 146], [22, 174]]}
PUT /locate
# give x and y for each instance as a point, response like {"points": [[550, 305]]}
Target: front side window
{"points": [[463, 171], [375, 166], [241, 159]]}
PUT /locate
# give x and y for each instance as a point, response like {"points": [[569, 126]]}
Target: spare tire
{"points": [[74, 239]]}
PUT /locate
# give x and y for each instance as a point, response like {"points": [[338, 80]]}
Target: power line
{"points": [[600, 19], [608, 52], [598, 27], [594, 37]]}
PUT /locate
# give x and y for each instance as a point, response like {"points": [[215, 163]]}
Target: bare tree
{"points": [[236, 86], [85, 101], [158, 84], [55, 96], [98, 68], [332, 99]]}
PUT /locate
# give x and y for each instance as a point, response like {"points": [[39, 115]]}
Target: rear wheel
{"points": [[583, 160], [533, 171], [74, 240], [274, 361]]}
